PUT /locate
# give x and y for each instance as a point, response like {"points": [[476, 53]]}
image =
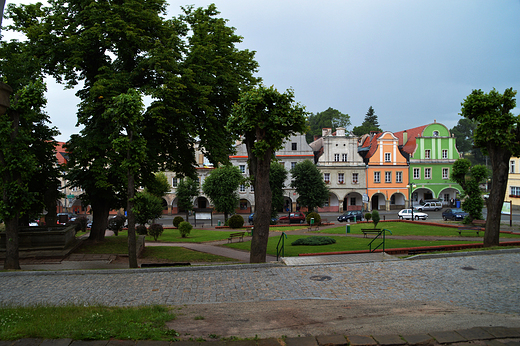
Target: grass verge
{"points": [[86, 323]]}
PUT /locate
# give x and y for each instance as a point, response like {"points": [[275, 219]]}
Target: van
{"points": [[430, 205]]}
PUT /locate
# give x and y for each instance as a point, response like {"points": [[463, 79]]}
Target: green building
{"points": [[431, 152]]}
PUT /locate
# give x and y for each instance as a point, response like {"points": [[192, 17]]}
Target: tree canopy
{"points": [[264, 118], [221, 187], [370, 123], [330, 118], [309, 184], [463, 133], [498, 135]]}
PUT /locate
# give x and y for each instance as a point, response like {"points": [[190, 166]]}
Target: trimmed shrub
{"points": [[185, 228], [375, 217], [236, 221], [368, 216], [81, 224], [141, 230], [313, 215], [177, 220], [314, 241], [155, 230], [116, 223]]}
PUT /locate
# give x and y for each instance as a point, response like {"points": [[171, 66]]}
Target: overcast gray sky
{"points": [[413, 61]]}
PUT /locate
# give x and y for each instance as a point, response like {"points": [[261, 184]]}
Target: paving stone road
{"points": [[490, 283]]}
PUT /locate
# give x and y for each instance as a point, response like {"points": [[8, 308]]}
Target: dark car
{"points": [[296, 217], [350, 215], [454, 214], [252, 215]]}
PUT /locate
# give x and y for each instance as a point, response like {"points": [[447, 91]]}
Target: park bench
{"points": [[239, 235], [367, 231], [475, 227]]}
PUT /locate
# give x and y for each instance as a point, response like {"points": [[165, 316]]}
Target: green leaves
{"points": [[221, 187], [309, 184]]}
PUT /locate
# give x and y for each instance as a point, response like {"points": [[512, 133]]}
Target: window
{"points": [[344, 157], [388, 157], [427, 173], [512, 167], [377, 177], [445, 173], [336, 157], [515, 190], [427, 153], [242, 168], [352, 200], [242, 188], [341, 178], [444, 153], [398, 177], [174, 182], [293, 164], [326, 177], [294, 146], [417, 173], [388, 177], [355, 178], [435, 133], [252, 188]]}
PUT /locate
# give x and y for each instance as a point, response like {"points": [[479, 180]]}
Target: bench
{"points": [[369, 231], [469, 229], [239, 235]]}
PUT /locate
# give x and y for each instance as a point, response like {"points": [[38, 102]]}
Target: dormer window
{"points": [[435, 133]]}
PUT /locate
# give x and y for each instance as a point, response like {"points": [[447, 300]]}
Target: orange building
{"points": [[387, 171]]}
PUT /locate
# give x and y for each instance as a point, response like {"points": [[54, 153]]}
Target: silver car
{"points": [[407, 214]]}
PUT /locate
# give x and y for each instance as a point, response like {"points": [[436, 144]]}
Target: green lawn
{"points": [[342, 244]]}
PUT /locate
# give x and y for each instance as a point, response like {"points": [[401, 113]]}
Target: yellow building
{"points": [[513, 182]]}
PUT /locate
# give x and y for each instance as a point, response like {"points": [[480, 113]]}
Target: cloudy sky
{"points": [[413, 61]]}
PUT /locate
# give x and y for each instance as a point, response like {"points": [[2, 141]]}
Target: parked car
{"points": [[65, 218], [407, 214], [350, 215], [455, 214], [296, 217], [433, 205], [252, 215]]}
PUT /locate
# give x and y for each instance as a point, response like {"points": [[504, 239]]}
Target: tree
{"points": [[330, 118], [221, 187], [463, 133], [189, 65], [26, 146], [277, 177], [308, 182], [187, 189], [370, 123], [498, 135], [158, 185], [470, 177], [147, 207], [264, 118]]}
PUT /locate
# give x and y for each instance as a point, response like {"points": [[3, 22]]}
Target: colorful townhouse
{"points": [[513, 183], [431, 152], [343, 170], [386, 171]]}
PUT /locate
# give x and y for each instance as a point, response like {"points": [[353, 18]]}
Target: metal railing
{"points": [[383, 232], [283, 236]]}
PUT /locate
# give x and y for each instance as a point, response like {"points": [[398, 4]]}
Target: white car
{"points": [[407, 214]]}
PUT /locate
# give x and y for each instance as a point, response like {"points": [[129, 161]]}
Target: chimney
{"points": [[340, 131], [325, 132], [405, 137]]}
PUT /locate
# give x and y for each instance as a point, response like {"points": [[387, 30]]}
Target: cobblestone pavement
{"points": [[490, 283]]}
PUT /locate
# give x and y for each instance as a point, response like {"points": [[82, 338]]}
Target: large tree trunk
{"points": [[12, 259], [100, 212], [499, 158], [259, 169]]}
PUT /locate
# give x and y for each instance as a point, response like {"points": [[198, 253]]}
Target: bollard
{"points": [[312, 221], [219, 222], [348, 228], [354, 218]]}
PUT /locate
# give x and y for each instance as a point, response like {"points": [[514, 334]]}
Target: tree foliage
{"points": [[463, 133], [264, 118], [187, 189], [498, 135], [221, 187], [308, 182], [330, 118], [470, 177], [147, 207], [370, 123]]}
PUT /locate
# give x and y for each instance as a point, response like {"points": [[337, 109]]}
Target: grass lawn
{"points": [[342, 244], [86, 323], [172, 235]]}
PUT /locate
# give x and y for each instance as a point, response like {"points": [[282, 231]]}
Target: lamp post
{"points": [[410, 187]]}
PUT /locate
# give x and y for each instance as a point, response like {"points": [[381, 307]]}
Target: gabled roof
{"points": [[411, 142], [61, 153]]}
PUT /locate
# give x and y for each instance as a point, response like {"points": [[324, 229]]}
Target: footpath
{"points": [[357, 300]]}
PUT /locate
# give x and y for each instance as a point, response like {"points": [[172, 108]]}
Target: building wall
{"points": [[513, 182]]}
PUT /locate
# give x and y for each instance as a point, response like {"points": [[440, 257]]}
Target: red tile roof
{"points": [[61, 153], [412, 135]]}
